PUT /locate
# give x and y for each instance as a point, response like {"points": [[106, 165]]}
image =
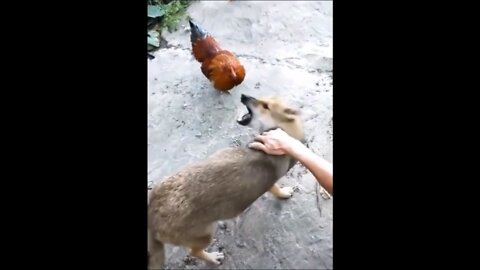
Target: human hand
{"points": [[275, 142]]}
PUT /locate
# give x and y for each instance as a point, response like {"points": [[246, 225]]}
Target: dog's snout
{"points": [[246, 99]]}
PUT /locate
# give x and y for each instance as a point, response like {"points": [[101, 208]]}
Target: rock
{"points": [[222, 225]]}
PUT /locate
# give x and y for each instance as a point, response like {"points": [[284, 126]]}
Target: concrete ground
{"points": [[286, 48]]}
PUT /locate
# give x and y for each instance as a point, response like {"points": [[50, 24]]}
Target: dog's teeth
{"points": [[241, 113]]}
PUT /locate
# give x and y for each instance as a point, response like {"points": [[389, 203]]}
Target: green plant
{"points": [[174, 12], [154, 14], [163, 15]]}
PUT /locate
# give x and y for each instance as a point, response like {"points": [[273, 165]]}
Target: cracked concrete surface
{"points": [[286, 48]]}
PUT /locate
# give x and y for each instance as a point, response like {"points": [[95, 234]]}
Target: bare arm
{"points": [[320, 168], [277, 142]]}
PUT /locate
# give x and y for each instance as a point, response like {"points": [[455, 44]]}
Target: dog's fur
{"points": [[184, 207]]}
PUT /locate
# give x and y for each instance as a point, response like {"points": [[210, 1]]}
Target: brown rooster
{"points": [[220, 66]]}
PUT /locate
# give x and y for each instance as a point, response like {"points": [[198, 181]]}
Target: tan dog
{"points": [[184, 207]]}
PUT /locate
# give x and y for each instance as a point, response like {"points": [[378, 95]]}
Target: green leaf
{"points": [[151, 48], [155, 11], [153, 33], [153, 41]]}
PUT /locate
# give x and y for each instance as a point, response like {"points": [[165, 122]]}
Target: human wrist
{"points": [[296, 149]]}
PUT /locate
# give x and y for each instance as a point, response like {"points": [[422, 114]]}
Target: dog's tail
{"points": [[156, 254]]}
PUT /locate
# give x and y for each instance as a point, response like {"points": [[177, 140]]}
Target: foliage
{"points": [[165, 14]]}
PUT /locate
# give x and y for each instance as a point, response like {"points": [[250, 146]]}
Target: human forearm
{"points": [[320, 168], [278, 142]]}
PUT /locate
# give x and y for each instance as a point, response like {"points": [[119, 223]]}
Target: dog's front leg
{"points": [[211, 257], [197, 250]]}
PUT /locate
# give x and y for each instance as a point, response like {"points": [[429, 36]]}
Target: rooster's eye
{"points": [[265, 106]]}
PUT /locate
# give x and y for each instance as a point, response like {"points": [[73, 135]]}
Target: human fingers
{"points": [[273, 133], [258, 146], [261, 138]]}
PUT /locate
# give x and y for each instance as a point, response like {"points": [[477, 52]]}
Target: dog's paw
{"points": [[215, 257], [285, 192]]}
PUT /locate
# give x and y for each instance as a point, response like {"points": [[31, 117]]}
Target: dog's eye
{"points": [[265, 106], [289, 111]]}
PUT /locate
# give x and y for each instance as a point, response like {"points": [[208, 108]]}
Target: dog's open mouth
{"points": [[246, 118]]}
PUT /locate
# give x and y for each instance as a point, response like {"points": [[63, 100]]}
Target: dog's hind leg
{"points": [[197, 250], [156, 255], [281, 193]]}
